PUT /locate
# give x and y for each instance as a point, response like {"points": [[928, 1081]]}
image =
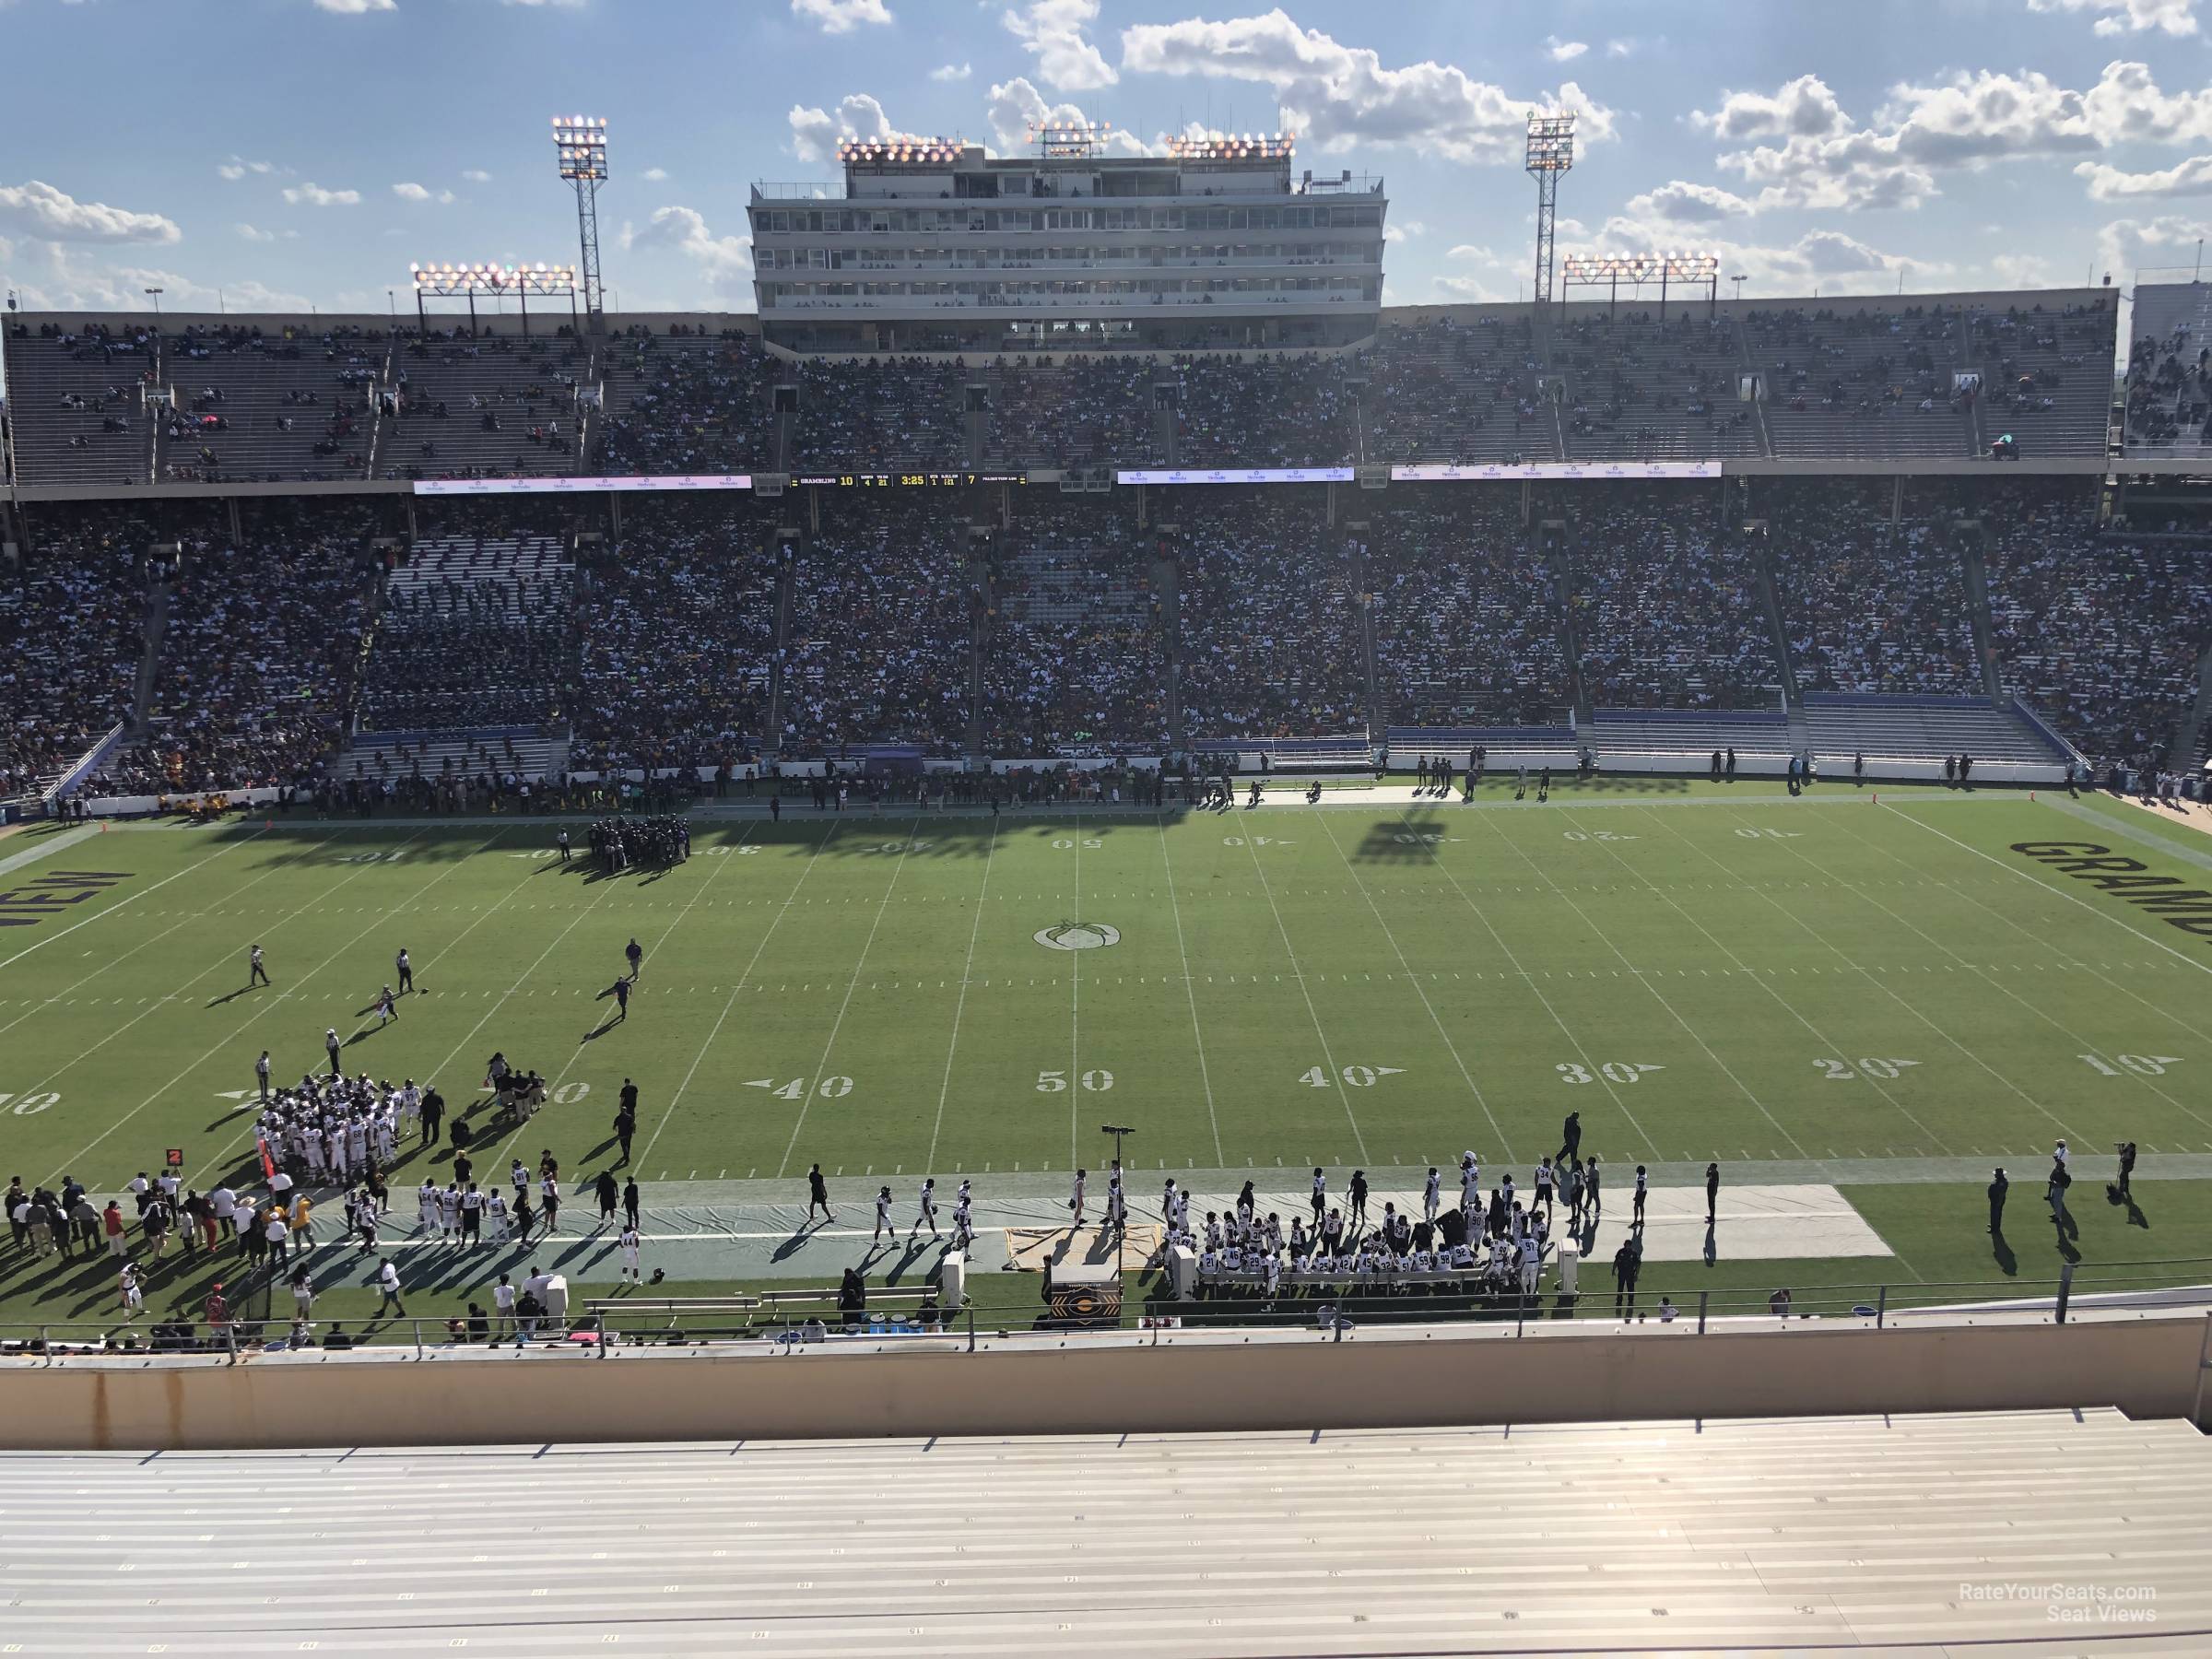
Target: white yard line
{"points": [[836, 1025], [1821, 1037], [223, 1042], [2041, 943], [126, 903], [959, 1008], [1528, 979], [1658, 995], [506, 1148], [185, 921], [1190, 991], [829, 833], [2027, 874], [443, 951], [1504, 1146], [1298, 974]]}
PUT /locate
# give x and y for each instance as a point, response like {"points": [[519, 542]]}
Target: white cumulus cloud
{"points": [[1564, 52], [476, 175], [1405, 230], [254, 234], [38, 208], [653, 175], [354, 8], [1052, 32], [815, 133], [314, 196], [419, 193], [1679, 202], [1342, 96], [725, 261], [952, 71], [1015, 106], [2129, 16], [841, 17], [2109, 184], [1826, 160]]}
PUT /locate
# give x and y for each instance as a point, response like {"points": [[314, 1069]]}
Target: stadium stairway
{"points": [[1914, 1535]]}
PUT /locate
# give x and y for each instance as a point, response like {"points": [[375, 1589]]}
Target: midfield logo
{"points": [[1077, 936], [2165, 896]]}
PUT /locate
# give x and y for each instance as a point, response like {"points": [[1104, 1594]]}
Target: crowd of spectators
{"points": [[1284, 411], [1270, 619], [2170, 389], [1075, 661], [877, 415], [260, 653], [2099, 629], [1075, 411], [678, 638], [687, 403], [680, 632], [884, 606], [1445, 390], [1869, 605], [72, 633], [1465, 613], [1665, 614]]}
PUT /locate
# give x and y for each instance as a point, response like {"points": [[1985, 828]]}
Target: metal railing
{"points": [[787, 1319]]}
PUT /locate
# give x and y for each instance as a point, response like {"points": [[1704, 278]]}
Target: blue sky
{"points": [[297, 152]]}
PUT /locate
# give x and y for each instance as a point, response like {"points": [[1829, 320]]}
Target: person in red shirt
{"points": [[110, 1221]]}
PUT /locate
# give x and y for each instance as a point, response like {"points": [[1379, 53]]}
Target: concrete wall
{"points": [[1409, 1377]]}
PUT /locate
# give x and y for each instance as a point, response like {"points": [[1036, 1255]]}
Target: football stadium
{"points": [[1037, 930]]}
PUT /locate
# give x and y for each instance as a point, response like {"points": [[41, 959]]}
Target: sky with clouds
{"points": [[276, 154]]}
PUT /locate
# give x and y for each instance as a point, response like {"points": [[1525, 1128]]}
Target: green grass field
{"points": [[1885, 988]]}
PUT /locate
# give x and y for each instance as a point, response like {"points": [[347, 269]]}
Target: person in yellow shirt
{"points": [[301, 1214]]}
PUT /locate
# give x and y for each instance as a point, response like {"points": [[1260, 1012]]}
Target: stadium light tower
{"points": [[1550, 154], [582, 143]]}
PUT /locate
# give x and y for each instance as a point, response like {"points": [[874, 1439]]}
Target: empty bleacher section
{"points": [[1465, 624], [496, 406], [1271, 634], [1999, 1534], [1638, 387], [1667, 614], [2046, 374], [251, 404], [476, 631], [679, 641], [1864, 378], [1075, 661], [1841, 726], [1633, 739], [77, 402]]}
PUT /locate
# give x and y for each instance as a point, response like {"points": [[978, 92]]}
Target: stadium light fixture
{"points": [[525, 282], [1675, 269], [580, 141]]}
